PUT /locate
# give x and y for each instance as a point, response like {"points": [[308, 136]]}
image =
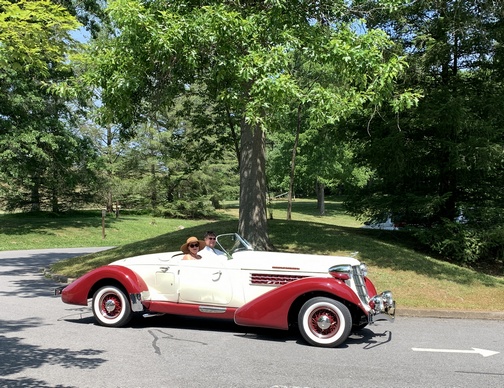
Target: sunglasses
{"points": [[193, 245], [211, 238]]}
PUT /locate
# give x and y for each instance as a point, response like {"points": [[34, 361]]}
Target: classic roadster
{"points": [[325, 296]]}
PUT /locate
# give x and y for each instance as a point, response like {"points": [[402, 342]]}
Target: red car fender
{"points": [[371, 289], [78, 291], [271, 310]]}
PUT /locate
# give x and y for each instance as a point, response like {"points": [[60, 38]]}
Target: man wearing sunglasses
{"points": [[209, 250]]}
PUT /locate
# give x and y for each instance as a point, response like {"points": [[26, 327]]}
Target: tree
{"points": [[444, 158], [41, 155], [325, 154], [90, 13], [162, 168], [241, 52]]}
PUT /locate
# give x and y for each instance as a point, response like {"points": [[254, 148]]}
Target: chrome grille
{"points": [[360, 285]]}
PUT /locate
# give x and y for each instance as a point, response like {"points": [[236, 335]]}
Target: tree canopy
{"points": [[173, 106], [38, 146], [245, 55], [441, 162]]}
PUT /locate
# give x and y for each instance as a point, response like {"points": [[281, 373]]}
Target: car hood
{"points": [[283, 261]]}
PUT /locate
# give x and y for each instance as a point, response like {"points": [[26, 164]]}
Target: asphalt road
{"points": [[45, 343]]}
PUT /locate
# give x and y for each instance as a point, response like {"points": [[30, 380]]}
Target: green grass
{"points": [[82, 229], [416, 279]]}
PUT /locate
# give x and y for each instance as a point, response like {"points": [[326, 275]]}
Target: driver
{"points": [[209, 250]]}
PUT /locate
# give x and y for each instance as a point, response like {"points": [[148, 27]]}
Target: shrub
{"points": [[457, 242], [188, 209], [495, 244]]}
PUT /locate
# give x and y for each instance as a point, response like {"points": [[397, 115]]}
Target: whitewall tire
{"points": [[111, 307], [324, 322]]}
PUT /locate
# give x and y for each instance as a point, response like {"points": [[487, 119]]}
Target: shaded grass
{"points": [[81, 229], [395, 261]]}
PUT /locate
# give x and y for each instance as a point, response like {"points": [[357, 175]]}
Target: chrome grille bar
{"points": [[360, 285]]}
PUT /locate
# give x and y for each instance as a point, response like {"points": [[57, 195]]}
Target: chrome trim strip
{"points": [[150, 315], [212, 309]]}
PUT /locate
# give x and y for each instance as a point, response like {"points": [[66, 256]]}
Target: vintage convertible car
{"points": [[325, 296]]}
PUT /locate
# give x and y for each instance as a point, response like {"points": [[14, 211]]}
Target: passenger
{"points": [[191, 248], [209, 250]]}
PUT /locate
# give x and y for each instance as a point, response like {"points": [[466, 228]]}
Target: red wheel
{"points": [[324, 322], [111, 307]]}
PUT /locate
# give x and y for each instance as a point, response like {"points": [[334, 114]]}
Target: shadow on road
{"points": [[367, 338], [17, 356]]}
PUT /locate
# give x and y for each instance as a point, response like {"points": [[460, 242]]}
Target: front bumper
{"points": [[383, 307]]}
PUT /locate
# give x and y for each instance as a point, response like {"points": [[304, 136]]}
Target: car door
{"points": [[205, 281], [166, 280]]}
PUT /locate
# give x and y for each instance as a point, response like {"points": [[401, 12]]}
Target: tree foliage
{"points": [[176, 164], [192, 97], [442, 161], [90, 14], [242, 52], [44, 162]]}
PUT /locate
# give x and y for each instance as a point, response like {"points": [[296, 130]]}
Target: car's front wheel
{"points": [[111, 307], [324, 322]]}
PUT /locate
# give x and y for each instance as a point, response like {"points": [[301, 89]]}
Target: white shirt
{"points": [[208, 252]]}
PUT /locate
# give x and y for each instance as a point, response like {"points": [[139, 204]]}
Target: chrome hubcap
{"points": [[324, 322], [110, 306]]}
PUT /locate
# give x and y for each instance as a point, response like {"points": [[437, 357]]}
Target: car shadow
{"points": [[183, 322], [367, 338]]}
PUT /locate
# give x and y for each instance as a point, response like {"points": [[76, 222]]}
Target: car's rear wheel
{"points": [[324, 322], [111, 307]]}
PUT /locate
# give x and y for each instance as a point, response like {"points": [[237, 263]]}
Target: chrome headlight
{"points": [[376, 303], [387, 298], [341, 272]]}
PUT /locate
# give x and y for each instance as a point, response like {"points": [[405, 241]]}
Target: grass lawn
{"points": [[416, 279]]}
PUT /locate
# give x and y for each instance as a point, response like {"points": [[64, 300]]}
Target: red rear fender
{"points": [[80, 290]]}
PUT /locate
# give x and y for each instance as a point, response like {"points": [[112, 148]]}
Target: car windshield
{"points": [[233, 242]]}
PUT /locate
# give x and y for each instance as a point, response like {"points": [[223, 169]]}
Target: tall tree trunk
{"points": [[153, 187], [293, 165], [35, 194], [109, 141], [110, 202], [54, 201], [234, 137], [320, 187], [252, 222]]}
